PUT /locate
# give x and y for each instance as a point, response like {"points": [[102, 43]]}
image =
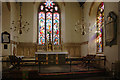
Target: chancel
{"points": [[50, 55], [60, 40]]}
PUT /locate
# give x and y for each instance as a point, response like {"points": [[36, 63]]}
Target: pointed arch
{"points": [[100, 25], [49, 23]]}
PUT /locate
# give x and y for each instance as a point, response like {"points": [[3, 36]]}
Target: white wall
{"points": [[92, 26], [35, 22], [27, 15], [72, 15], [5, 26], [85, 48], [5, 18], [0, 40], [111, 52], [14, 16]]}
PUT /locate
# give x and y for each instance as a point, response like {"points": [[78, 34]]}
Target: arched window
{"points": [[100, 25], [48, 23]]}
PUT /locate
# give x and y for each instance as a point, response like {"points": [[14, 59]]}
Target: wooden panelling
{"points": [[29, 49], [20, 51], [26, 49], [73, 49], [77, 51]]}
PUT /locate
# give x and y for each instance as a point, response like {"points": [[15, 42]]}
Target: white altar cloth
{"points": [[51, 52]]}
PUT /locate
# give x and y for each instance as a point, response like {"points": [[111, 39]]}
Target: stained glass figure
{"points": [[56, 28], [48, 25], [42, 28], [100, 25], [49, 21]]}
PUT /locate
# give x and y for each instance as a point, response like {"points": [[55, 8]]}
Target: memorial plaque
{"points": [[5, 37], [111, 29]]}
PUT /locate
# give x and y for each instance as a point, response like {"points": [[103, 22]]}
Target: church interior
{"points": [[60, 40]]}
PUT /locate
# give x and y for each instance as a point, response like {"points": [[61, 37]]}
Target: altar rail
{"points": [[29, 49]]}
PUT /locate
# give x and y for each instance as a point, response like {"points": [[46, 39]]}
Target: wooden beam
{"points": [[8, 5], [91, 8]]}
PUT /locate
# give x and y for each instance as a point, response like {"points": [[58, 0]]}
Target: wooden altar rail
{"points": [[88, 60], [29, 49], [68, 59]]}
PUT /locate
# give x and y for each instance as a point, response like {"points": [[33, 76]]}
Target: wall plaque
{"points": [[111, 29], [5, 37]]}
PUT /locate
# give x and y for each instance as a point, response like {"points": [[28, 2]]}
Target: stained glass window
{"points": [[100, 25], [49, 23]]}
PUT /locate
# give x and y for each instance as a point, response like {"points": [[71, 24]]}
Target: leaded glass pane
{"points": [[42, 7], [56, 28], [100, 24], [49, 4], [56, 8], [48, 25], [41, 28]]}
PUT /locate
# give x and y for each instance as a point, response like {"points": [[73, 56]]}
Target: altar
{"points": [[51, 57]]}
